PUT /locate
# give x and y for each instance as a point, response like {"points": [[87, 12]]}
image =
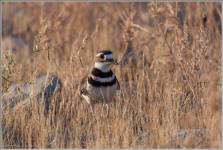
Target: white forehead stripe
{"points": [[98, 54], [109, 56]]}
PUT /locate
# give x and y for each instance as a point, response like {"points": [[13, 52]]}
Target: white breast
{"points": [[100, 94]]}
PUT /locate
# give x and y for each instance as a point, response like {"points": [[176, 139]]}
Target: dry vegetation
{"points": [[170, 77]]}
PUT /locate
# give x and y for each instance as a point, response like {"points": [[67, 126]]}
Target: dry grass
{"points": [[171, 79]]}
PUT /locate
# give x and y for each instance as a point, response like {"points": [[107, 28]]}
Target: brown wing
{"points": [[82, 82]]}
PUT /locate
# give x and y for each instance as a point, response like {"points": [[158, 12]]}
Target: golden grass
{"points": [[170, 81]]}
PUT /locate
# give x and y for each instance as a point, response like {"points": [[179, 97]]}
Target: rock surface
{"points": [[183, 138], [193, 138], [14, 44], [20, 94]]}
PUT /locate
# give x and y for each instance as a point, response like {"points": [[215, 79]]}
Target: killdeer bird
{"points": [[101, 83]]}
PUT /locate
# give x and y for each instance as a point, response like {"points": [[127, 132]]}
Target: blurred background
{"points": [[169, 72]]}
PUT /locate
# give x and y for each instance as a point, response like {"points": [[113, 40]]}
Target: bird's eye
{"points": [[102, 56], [82, 91]]}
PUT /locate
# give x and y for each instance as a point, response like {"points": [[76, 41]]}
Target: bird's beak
{"points": [[115, 62], [112, 61]]}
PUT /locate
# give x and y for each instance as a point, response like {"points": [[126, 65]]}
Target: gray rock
{"points": [[14, 44], [182, 133], [7, 27], [189, 138], [183, 138], [20, 94]]}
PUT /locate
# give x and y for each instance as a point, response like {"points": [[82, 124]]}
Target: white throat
{"points": [[102, 66]]}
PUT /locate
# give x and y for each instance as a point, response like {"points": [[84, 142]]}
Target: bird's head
{"points": [[105, 57]]}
